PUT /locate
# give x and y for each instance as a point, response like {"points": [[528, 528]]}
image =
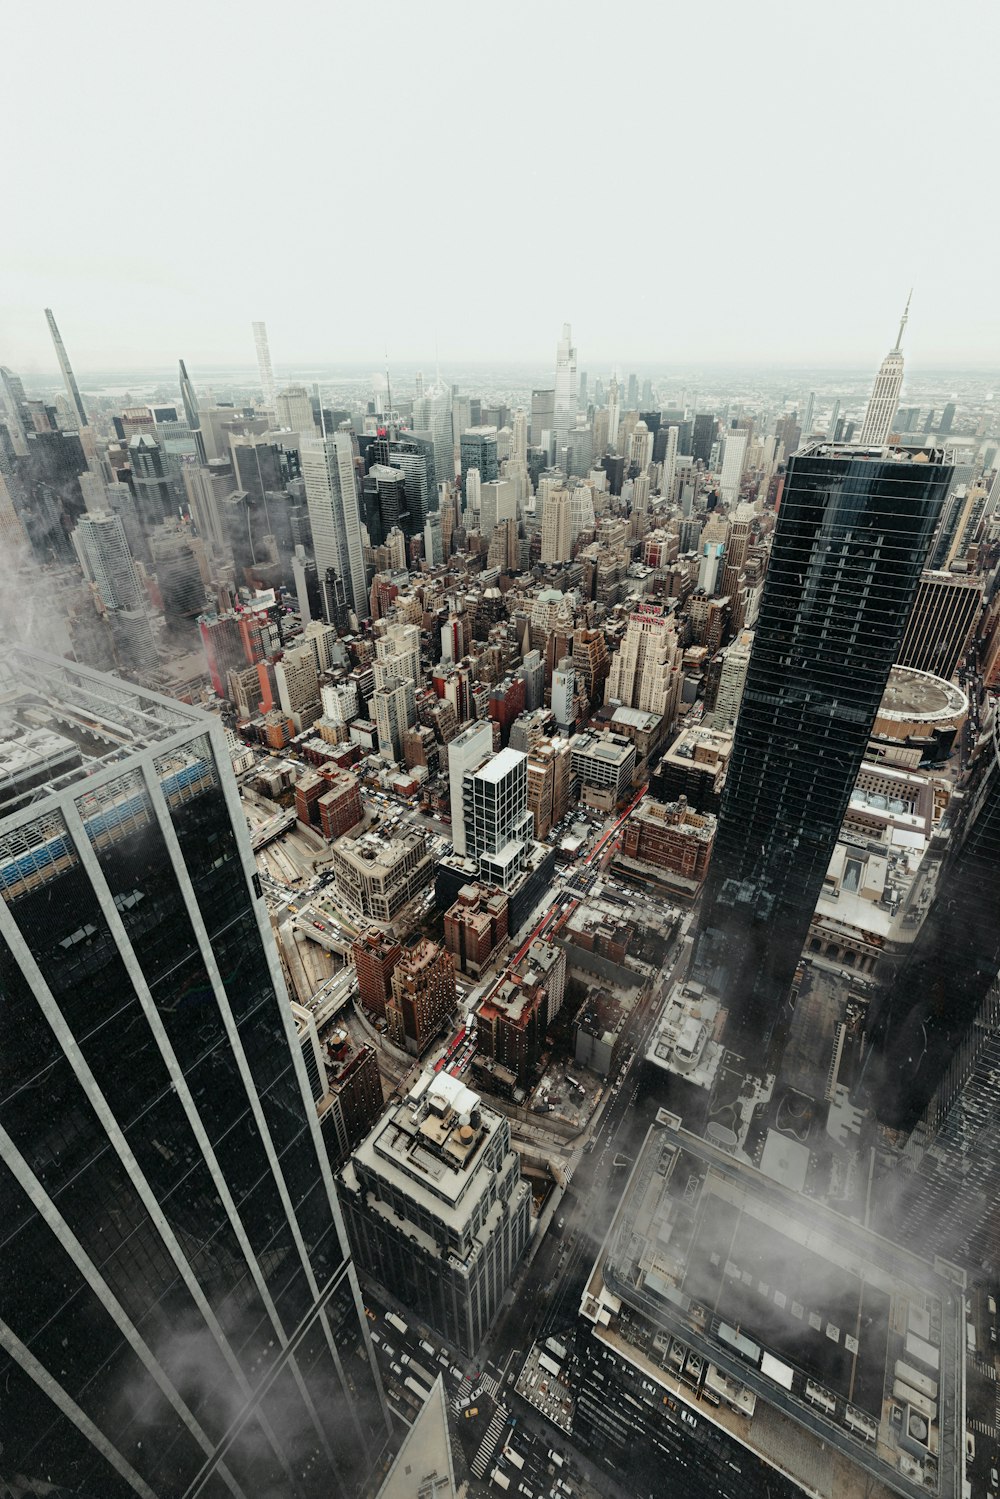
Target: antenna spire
{"points": [[902, 323]]}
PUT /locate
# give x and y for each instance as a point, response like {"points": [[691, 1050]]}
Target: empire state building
{"points": [[884, 399]]}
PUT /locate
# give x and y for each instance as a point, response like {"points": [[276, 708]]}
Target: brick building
{"points": [[423, 995], [671, 842], [512, 1025], [476, 926], [375, 958], [328, 798]]}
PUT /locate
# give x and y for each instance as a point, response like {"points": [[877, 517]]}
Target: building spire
{"points": [[902, 323]]}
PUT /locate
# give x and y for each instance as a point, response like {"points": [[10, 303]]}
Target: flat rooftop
{"points": [[501, 765], [919, 694], [61, 723], [806, 1309]]}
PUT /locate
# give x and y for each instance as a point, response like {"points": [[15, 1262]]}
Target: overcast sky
{"points": [[682, 181]]}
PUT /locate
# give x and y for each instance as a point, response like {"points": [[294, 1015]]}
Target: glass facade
{"points": [[179, 1312], [853, 531]]}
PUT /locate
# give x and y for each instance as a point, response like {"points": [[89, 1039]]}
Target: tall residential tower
{"points": [[69, 379]]}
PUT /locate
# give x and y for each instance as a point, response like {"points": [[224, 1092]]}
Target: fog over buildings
{"points": [[499, 762]]}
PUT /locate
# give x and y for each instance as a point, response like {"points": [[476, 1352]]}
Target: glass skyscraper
{"points": [[853, 530], [180, 1316]]}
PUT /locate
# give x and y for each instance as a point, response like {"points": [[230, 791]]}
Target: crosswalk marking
{"points": [[489, 1443]]}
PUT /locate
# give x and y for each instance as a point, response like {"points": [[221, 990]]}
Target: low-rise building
{"points": [[436, 1209], [604, 764], [598, 1031], [669, 844], [694, 766], [378, 874]]}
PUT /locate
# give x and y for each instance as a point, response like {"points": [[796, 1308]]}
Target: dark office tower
{"points": [[853, 529], [383, 499], [652, 419], [941, 623], [614, 466], [543, 407], [954, 961], [478, 449], [258, 464], [947, 417], [52, 500], [180, 1315], [632, 393], [154, 495], [191, 409], [69, 379], [702, 438], [415, 456], [929, 422]]}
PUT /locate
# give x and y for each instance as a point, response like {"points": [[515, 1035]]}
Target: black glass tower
{"points": [[853, 530], [178, 1313]]}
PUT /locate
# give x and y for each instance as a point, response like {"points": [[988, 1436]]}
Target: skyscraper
{"points": [[941, 623], [180, 1315], [103, 550], [69, 379], [334, 514], [853, 530], [192, 412], [264, 363], [885, 395], [565, 394], [734, 451]]}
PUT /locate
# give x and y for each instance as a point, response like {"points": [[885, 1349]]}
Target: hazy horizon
{"points": [[448, 184]]}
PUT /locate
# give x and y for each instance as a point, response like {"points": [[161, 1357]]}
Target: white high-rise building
{"points": [[465, 752], [566, 390], [563, 692], [334, 514], [581, 510], [734, 454], [497, 502], [473, 493], [264, 363], [397, 655], [646, 672], [884, 399], [710, 565], [732, 681], [395, 712], [297, 681], [614, 414], [557, 526], [519, 436], [640, 454], [433, 539], [669, 465], [498, 824], [103, 550]]}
